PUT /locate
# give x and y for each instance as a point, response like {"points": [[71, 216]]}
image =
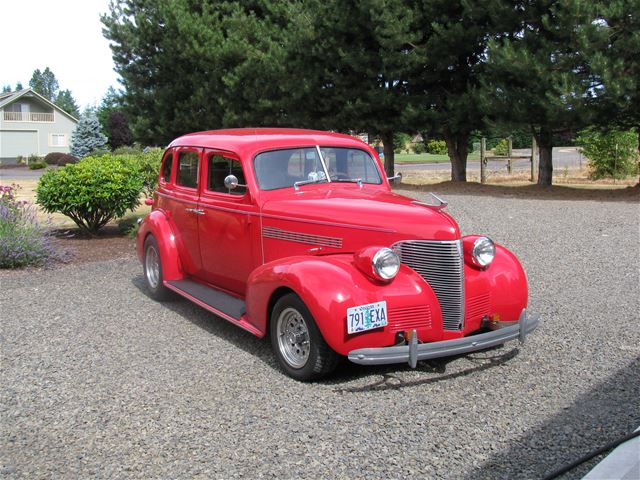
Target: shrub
{"points": [[502, 148], [33, 158], [419, 148], [437, 147], [91, 192], [128, 150], [53, 157], [610, 154], [23, 241], [37, 165], [21, 160], [148, 165], [66, 159]]}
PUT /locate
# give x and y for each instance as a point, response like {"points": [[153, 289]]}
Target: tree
{"points": [[87, 136], [111, 101], [353, 56], [614, 50], [538, 74], [445, 75], [65, 101], [18, 86], [6, 89], [44, 83], [118, 130]]}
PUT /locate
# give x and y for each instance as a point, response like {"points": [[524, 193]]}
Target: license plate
{"points": [[366, 317]]}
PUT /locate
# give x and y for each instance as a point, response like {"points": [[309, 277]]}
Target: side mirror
{"points": [[397, 177], [231, 182]]}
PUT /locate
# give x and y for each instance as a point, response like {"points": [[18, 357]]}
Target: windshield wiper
{"points": [[296, 186], [349, 180]]}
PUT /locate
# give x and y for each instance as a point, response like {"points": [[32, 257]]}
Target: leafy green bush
{"points": [[419, 147], [610, 154], [502, 148], [91, 192], [128, 150], [148, 164], [437, 147], [37, 165], [33, 158], [23, 241]]}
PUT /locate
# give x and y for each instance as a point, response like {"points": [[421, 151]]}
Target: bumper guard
{"points": [[413, 351]]}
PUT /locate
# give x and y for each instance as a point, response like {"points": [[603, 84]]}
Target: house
{"points": [[32, 125]]}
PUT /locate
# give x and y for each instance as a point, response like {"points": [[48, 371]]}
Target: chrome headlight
{"points": [[386, 263], [484, 251]]}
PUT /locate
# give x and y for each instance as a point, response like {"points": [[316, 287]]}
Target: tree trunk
{"points": [[545, 147], [458, 148], [389, 157]]}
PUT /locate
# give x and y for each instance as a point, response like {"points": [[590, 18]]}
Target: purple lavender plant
{"points": [[23, 240]]}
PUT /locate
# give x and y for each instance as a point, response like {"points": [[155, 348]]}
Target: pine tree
{"points": [[6, 89], [537, 73], [65, 101], [87, 136], [44, 83], [18, 86]]}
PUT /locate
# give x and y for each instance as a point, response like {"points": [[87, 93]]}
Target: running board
{"points": [[216, 301]]}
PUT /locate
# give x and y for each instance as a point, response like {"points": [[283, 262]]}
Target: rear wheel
{"points": [[153, 270], [297, 342]]}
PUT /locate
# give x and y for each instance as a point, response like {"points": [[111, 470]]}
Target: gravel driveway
{"points": [[97, 380]]}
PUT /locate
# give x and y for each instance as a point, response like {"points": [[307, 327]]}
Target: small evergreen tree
{"points": [[45, 83], [87, 136], [19, 86], [6, 89]]}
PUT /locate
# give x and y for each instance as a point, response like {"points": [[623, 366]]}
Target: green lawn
{"points": [[427, 158]]}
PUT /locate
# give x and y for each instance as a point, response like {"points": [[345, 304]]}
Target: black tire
{"points": [[291, 318], [152, 267]]}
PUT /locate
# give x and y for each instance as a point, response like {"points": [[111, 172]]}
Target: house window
{"points": [[58, 140]]}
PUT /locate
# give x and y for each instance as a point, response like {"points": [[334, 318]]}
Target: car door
{"points": [[229, 228], [182, 204]]}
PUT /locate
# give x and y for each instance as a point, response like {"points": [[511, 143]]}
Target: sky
{"points": [[64, 35]]}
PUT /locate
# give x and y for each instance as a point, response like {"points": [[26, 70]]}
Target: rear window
{"points": [[167, 163], [187, 175]]}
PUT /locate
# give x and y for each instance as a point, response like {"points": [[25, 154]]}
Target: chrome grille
{"points": [[441, 264]]}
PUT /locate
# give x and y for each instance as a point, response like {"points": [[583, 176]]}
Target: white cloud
{"points": [[64, 35]]}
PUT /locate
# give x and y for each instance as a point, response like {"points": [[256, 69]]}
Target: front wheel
{"points": [[297, 343]]}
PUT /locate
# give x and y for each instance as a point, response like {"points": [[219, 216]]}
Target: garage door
{"points": [[14, 143]]}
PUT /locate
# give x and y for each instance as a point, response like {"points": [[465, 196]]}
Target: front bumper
{"points": [[413, 351]]}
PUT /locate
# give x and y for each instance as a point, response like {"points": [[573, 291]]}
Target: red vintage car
{"points": [[296, 234]]}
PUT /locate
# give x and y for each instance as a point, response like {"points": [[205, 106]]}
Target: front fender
{"points": [[157, 224], [328, 285]]}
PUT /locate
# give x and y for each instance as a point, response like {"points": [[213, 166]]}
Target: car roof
{"points": [[245, 140]]}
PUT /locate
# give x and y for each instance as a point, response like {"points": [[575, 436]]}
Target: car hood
{"points": [[399, 217]]}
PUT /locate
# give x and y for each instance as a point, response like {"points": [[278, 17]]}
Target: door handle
{"points": [[195, 210]]}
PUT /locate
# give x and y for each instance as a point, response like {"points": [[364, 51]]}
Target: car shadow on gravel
{"points": [[428, 371], [215, 325], [607, 412]]}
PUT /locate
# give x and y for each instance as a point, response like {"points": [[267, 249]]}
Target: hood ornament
{"points": [[439, 202]]}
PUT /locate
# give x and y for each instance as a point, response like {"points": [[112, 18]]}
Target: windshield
{"points": [[298, 166]]}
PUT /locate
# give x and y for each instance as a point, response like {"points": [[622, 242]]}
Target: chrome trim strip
{"points": [[323, 241]]}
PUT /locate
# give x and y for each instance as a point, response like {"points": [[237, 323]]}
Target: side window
{"points": [[219, 168], [187, 174], [167, 163]]}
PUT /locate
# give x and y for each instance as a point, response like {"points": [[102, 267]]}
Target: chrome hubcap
{"points": [[293, 337], [152, 266]]}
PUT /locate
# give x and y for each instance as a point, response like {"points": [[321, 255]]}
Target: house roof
{"points": [[10, 97]]}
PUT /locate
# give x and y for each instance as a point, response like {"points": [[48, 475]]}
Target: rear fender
{"points": [[157, 224], [329, 285]]}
